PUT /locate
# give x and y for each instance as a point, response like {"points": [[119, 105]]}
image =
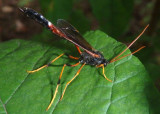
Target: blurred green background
{"points": [[120, 19]]}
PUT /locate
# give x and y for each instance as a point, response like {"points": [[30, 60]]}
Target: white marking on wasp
{"points": [[41, 17], [49, 23]]}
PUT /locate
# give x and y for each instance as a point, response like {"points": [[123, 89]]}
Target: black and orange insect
{"points": [[89, 56]]}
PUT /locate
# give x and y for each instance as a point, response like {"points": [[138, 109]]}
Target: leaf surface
{"points": [[89, 93]]}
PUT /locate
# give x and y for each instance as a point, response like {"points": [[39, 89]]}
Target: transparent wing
{"points": [[73, 35]]}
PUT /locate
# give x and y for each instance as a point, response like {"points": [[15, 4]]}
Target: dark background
{"points": [[120, 19]]}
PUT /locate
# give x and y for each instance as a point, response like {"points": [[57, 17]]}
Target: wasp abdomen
{"points": [[36, 16]]}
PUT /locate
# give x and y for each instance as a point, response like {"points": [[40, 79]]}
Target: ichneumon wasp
{"points": [[89, 56]]}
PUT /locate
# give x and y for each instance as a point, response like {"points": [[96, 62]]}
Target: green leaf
{"points": [[130, 92], [2, 108], [113, 15]]}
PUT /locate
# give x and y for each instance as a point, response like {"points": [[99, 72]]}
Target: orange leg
{"points": [[102, 65], [55, 93], [58, 83], [46, 65], [105, 75], [78, 49], [76, 58], [72, 57], [71, 80], [73, 65]]}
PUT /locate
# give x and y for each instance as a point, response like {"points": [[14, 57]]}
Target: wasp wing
{"points": [[73, 35]]}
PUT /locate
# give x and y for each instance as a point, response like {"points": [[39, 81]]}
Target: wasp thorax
{"points": [[90, 60]]}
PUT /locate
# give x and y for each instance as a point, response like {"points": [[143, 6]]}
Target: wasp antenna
{"points": [[131, 43], [127, 54]]}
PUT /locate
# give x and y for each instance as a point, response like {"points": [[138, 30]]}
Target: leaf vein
{"points": [[3, 105], [24, 78], [19, 45]]}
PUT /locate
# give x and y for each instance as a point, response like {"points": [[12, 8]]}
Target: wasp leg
{"points": [[71, 57], [105, 75], [58, 83], [71, 81], [78, 49], [46, 64], [101, 65]]}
